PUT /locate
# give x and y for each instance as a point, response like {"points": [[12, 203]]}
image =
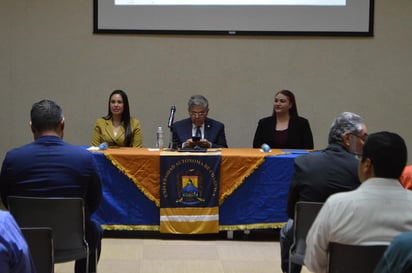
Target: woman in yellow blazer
{"points": [[118, 128]]}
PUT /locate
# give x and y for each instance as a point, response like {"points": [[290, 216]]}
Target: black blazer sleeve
{"points": [[300, 134], [257, 140]]}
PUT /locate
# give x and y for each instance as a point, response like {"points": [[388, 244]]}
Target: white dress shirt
{"points": [[374, 213]]}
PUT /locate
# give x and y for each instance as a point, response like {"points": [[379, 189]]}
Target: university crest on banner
{"points": [[189, 194]]}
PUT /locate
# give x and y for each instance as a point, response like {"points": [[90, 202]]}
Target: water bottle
{"points": [[159, 138]]}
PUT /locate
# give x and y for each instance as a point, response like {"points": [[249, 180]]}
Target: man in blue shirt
{"points": [[398, 256], [14, 253]]}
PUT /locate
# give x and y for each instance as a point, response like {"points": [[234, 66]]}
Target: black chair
{"points": [[65, 216], [354, 258], [305, 214], [40, 242], [409, 269]]}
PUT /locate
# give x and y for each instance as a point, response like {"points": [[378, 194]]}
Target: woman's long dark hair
{"points": [[125, 116]]}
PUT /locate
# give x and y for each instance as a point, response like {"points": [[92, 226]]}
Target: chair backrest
{"points": [[65, 216], [408, 269], [354, 258], [305, 214], [40, 242]]}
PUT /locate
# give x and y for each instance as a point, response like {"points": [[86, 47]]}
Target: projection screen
{"points": [[235, 17]]}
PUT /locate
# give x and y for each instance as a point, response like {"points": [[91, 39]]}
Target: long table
{"points": [[252, 199]]}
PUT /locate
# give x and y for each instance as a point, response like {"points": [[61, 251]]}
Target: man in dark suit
{"points": [[317, 176], [198, 130], [49, 167]]}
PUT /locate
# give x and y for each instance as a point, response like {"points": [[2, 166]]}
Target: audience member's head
{"points": [[349, 131], [198, 108], [46, 117], [384, 155], [290, 97], [406, 177]]}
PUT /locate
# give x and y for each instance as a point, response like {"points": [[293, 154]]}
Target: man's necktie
{"points": [[198, 132]]}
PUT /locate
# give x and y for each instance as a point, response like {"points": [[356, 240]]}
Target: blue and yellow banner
{"points": [[189, 194]]}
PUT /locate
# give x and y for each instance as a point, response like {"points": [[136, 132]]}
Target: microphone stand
{"points": [[171, 147], [171, 144]]}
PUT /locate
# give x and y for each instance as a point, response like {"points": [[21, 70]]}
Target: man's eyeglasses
{"points": [[363, 137], [197, 114], [358, 156]]}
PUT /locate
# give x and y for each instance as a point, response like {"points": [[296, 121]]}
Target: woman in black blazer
{"points": [[284, 129]]}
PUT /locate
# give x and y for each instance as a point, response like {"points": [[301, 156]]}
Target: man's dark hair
{"points": [[46, 115], [388, 153]]}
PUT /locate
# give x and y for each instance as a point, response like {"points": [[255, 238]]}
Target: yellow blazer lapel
{"points": [[110, 131]]}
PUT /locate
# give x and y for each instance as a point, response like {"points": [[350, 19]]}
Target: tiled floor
{"points": [[247, 254]]}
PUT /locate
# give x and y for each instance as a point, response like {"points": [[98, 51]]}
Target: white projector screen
{"points": [[235, 17]]}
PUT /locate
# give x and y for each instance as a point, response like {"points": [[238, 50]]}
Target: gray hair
{"points": [[46, 115], [196, 100], [346, 122]]}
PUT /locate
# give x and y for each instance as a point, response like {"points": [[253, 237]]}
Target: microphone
{"points": [[103, 146], [171, 116]]}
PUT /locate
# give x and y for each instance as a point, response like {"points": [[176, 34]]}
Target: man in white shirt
{"points": [[374, 213]]}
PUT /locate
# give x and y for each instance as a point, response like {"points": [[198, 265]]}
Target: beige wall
{"points": [[47, 49]]}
